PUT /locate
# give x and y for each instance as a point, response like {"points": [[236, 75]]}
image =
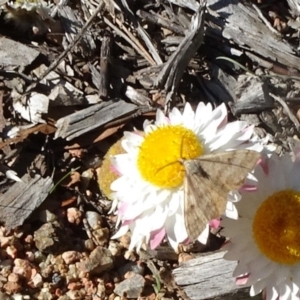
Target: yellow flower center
{"points": [[276, 227], [161, 153]]}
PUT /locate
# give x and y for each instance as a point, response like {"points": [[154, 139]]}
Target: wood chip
{"points": [[22, 199], [209, 277], [16, 54], [92, 117]]}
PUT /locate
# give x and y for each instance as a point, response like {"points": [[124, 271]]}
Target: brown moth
{"points": [[208, 181]]}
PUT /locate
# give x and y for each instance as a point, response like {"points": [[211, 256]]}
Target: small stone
{"points": [[23, 268], [64, 297], [94, 220], [130, 255], [33, 272], [101, 235], [89, 194], [131, 287], [5, 241], [17, 297], [37, 281], [6, 263], [183, 257], [74, 286], [57, 279], [58, 293], [2, 231], [74, 215], [101, 291], [39, 257], [28, 239], [5, 270], [125, 240], [12, 251], [134, 267], [89, 245], [109, 287], [99, 260], [6, 297], [51, 238], [86, 177], [47, 271], [30, 256], [153, 296], [45, 294], [70, 257], [72, 273], [55, 259], [115, 248], [18, 232], [88, 286], [12, 287], [13, 277], [74, 295], [2, 279], [46, 216]]}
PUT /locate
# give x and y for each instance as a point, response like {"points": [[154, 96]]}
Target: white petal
{"points": [[231, 211], [175, 229], [295, 287], [257, 287], [114, 204], [158, 218], [260, 272], [271, 293], [239, 270], [122, 231], [174, 203], [282, 273], [234, 196], [175, 117], [294, 176], [161, 119], [203, 113], [188, 116], [227, 137], [134, 138], [204, 235], [285, 292], [296, 274], [10, 174]]}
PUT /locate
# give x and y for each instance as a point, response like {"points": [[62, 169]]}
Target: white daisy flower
{"points": [[265, 240], [149, 192]]}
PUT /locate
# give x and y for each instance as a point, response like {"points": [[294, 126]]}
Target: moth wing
{"points": [[203, 201], [207, 183], [228, 169]]}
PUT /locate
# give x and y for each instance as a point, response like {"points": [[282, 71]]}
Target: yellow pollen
{"points": [[160, 155], [276, 227]]}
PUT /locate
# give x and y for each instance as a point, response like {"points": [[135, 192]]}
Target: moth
{"points": [[208, 180]]}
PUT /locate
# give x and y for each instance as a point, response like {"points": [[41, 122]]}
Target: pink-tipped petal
{"points": [[215, 223], [156, 237], [242, 280]]}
